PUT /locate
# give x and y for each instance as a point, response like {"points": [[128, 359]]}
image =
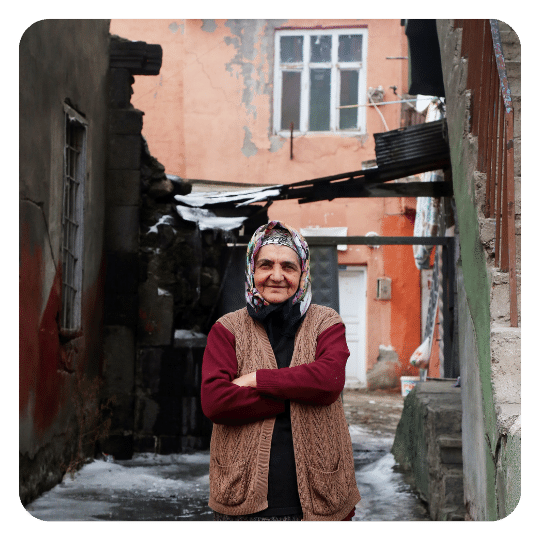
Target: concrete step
{"points": [[450, 450], [516, 102], [500, 296], [510, 45], [513, 72], [517, 195], [504, 27], [506, 374], [487, 228]]}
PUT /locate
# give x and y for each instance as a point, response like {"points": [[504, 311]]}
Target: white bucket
{"points": [[408, 383]]}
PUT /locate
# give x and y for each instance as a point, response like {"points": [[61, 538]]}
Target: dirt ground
{"points": [[376, 410]]}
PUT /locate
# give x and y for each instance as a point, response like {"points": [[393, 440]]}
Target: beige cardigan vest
{"points": [[239, 455]]}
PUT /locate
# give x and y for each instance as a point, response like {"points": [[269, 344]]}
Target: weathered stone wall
{"points": [[179, 285], [61, 62], [122, 239], [164, 279]]}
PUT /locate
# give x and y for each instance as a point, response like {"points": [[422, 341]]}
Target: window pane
{"points": [[321, 48], [291, 49], [319, 106], [348, 95], [350, 48], [290, 100]]}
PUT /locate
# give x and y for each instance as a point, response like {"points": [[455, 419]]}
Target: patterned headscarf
{"points": [[277, 232]]}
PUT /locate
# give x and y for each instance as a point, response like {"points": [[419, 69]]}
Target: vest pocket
{"points": [[328, 489], [228, 483]]}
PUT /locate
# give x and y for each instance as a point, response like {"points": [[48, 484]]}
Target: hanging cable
{"points": [[380, 92]]}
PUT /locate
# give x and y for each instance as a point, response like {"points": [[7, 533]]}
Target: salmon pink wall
{"points": [[208, 115]]}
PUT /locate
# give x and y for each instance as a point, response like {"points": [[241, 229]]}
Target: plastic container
{"points": [[408, 383]]}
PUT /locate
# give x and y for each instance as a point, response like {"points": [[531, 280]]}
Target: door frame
{"points": [[360, 381]]}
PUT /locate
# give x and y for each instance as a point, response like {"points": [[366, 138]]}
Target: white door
{"points": [[352, 308]]}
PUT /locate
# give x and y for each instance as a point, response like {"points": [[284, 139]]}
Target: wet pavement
{"points": [[153, 487]]}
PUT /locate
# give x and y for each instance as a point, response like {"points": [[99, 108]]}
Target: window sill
{"points": [[287, 134]]}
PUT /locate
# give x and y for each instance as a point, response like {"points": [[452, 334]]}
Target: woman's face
{"points": [[277, 272]]}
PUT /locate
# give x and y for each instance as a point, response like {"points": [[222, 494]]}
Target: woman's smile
{"points": [[277, 273]]}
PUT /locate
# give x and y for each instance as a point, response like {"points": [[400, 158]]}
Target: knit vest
{"points": [[239, 455]]}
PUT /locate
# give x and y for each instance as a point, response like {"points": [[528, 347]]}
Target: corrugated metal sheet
{"points": [[413, 149]]}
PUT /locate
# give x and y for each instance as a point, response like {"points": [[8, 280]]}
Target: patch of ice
{"points": [[187, 334]]}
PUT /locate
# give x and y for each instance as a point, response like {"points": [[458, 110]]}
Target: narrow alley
{"points": [[152, 487], [150, 160]]}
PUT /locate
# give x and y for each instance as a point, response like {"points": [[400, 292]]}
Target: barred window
{"points": [[320, 80], [72, 218]]}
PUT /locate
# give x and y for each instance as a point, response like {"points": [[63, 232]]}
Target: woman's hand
{"points": [[247, 380]]}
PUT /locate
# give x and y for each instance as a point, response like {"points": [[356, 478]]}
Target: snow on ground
{"points": [[152, 487], [148, 487]]}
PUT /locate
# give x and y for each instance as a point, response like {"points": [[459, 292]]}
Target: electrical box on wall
{"points": [[384, 288]]}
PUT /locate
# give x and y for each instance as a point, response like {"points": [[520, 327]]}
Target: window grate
{"points": [[72, 218]]}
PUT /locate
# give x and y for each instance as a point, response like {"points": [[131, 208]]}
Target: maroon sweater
{"points": [[317, 383], [242, 450]]}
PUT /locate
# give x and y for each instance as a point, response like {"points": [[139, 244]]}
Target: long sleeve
{"points": [[317, 383], [222, 401]]}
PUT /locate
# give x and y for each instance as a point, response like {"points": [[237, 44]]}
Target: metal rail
{"points": [[372, 240], [492, 122]]}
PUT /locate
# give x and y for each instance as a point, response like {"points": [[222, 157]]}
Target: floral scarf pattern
{"points": [[303, 295]]}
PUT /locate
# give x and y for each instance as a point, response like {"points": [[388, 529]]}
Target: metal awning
{"points": [[400, 154]]}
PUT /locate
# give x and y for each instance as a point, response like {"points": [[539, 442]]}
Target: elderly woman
{"points": [[272, 377]]}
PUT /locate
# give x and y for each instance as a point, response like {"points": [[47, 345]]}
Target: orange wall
{"points": [[208, 115]]}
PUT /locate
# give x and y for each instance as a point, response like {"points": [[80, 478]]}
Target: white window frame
{"points": [[335, 67], [74, 177]]}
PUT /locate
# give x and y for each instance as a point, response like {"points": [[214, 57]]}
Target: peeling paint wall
{"points": [[473, 291], [59, 60], [213, 120]]}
